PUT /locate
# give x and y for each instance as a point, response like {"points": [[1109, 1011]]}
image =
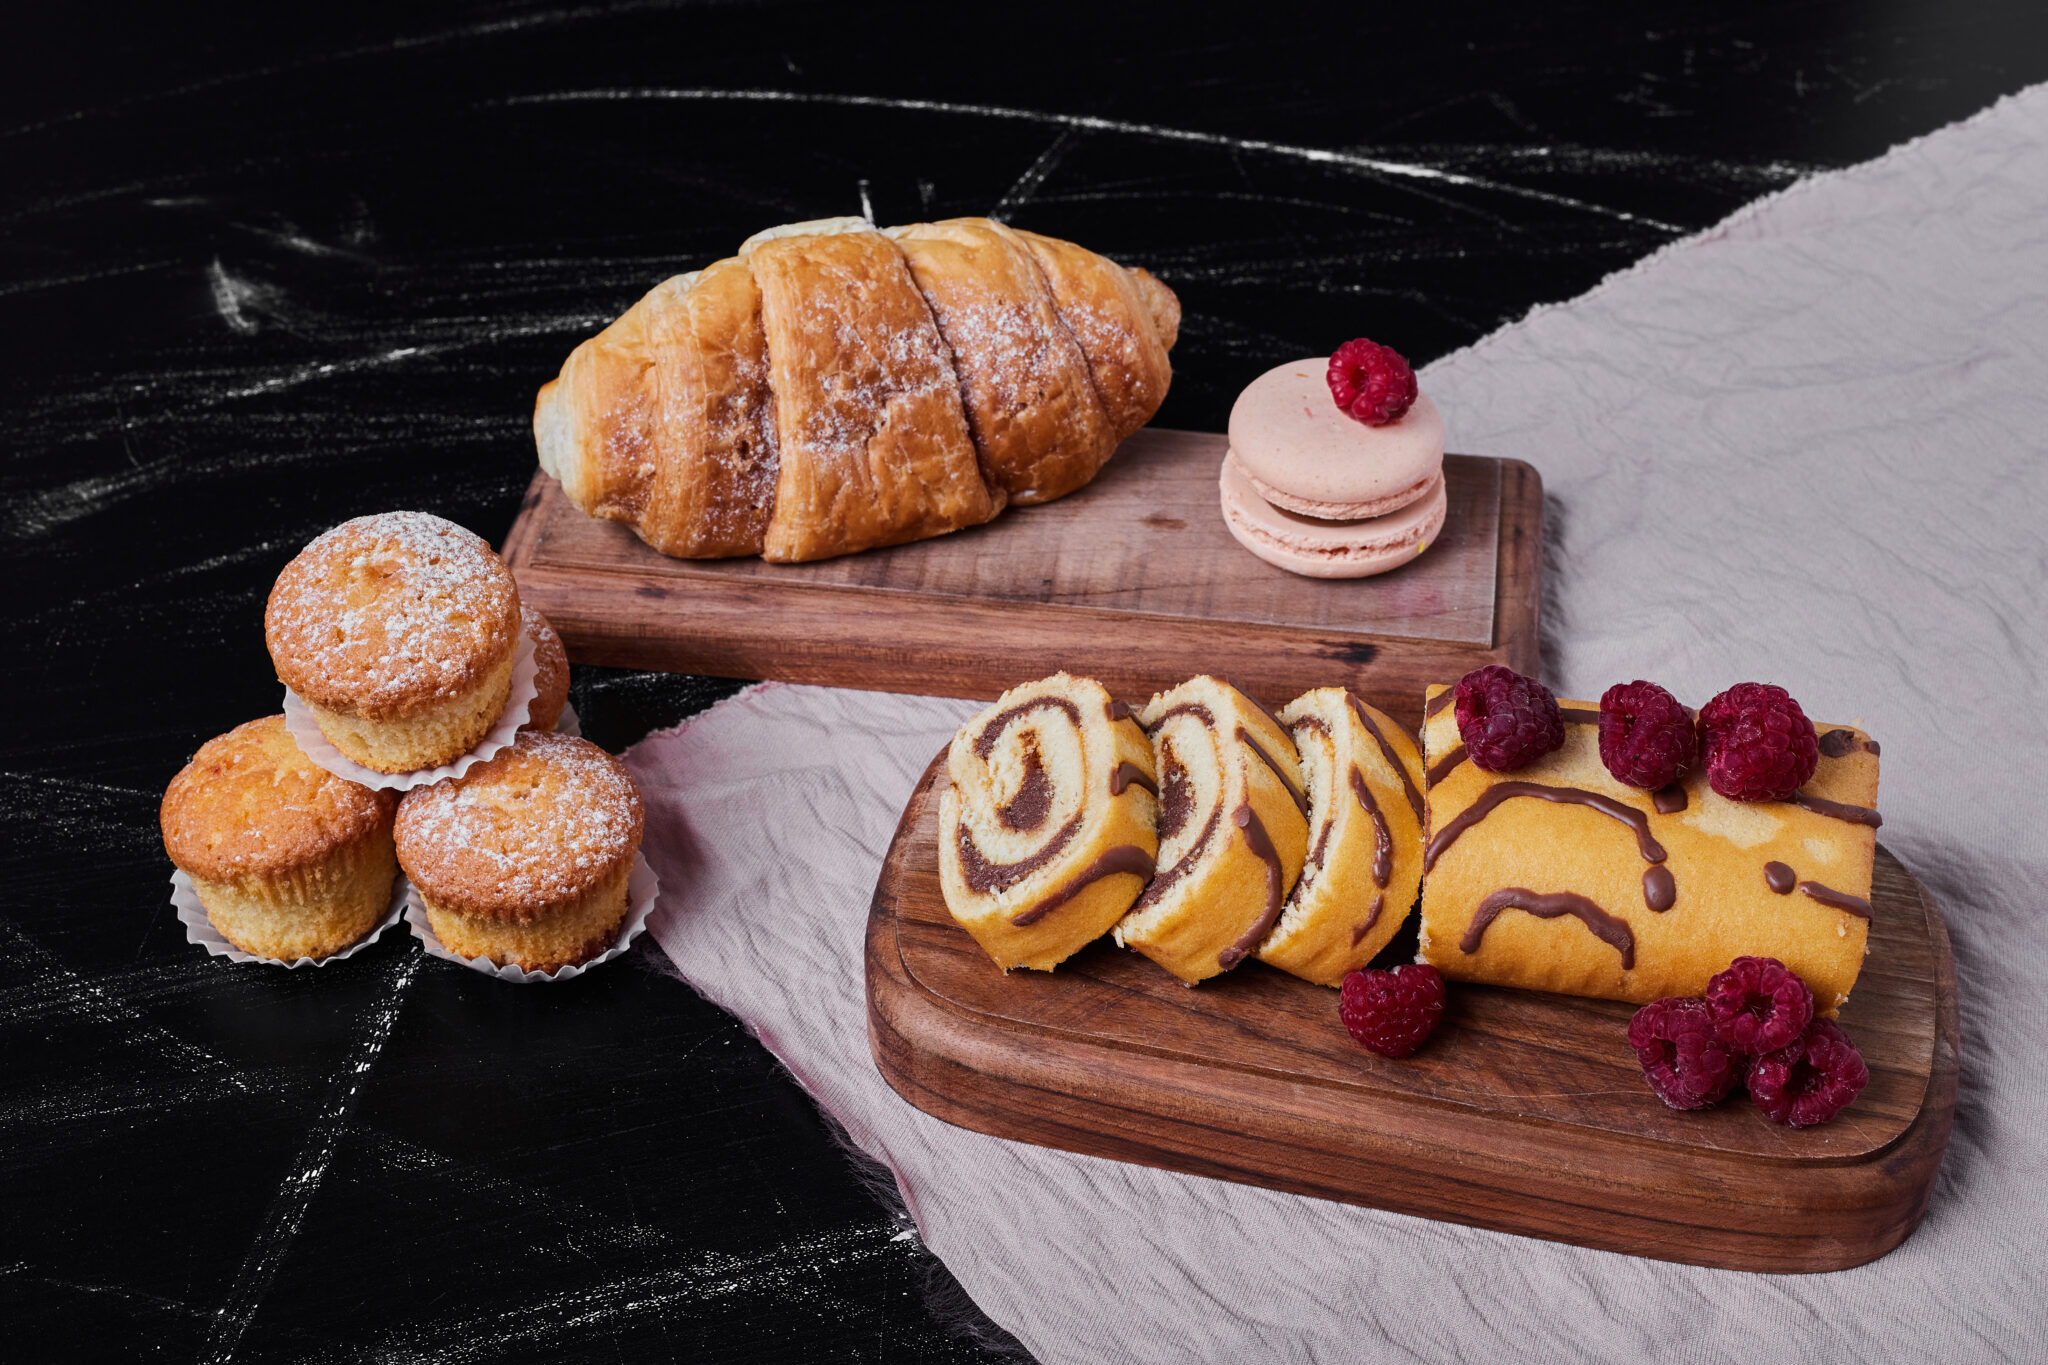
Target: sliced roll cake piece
{"points": [[1233, 830], [1363, 776], [1047, 832]]}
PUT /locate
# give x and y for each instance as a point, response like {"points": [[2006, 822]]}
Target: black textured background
{"points": [[263, 268]]}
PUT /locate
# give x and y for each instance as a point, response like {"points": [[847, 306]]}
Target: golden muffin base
{"points": [[1715, 849], [1339, 917], [1212, 888], [314, 911], [443, 732], [563, 936], [1079, 757]]}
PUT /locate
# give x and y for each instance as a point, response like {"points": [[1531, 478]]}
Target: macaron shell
{"points": [[1327, 549], [1291, 436]]}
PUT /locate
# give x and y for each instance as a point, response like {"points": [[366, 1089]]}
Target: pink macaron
{"points": [[1309, 488]]}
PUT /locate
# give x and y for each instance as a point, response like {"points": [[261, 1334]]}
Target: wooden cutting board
{"points": [[1525, 1112], [1132, 580]]}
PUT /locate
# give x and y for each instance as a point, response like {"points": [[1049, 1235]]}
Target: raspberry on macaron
{"points": [[1371, 382]]}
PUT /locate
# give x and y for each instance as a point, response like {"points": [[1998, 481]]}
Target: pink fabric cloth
{"points": [[1805, 447]]}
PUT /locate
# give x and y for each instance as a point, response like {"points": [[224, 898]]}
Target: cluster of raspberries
{"points": [[1758, 745], [1754, 1027]]}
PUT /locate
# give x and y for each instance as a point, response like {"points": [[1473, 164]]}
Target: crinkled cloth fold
{"points": [[1808, 447]]}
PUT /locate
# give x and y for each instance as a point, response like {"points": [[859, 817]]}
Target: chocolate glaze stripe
{"points": [[1439, 702], [1393, 759], [1372, 917], [1294, 790], [985, 742], [1603, 926], [1652, 851], [1841, 743], [1116, 710], [1670, 800], [1579, 715], [1261, 844], [1780, 878], [1257, 705], [1124, 858], [1660, 888], [1383, 845], [1442, 768], [1130, 775], [984, 876], [1840, 900], [1838, 810]]}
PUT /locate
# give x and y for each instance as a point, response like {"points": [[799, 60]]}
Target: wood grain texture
{"points": [[1526, 1112], [1133, 580]]}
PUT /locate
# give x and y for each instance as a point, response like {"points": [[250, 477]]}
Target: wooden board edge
{"points": [[1716, 1210], [1518, 569]]}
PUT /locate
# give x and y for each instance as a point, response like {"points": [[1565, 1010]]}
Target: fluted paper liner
{"points": [[298, 719], [641, 888], [199, 929]]}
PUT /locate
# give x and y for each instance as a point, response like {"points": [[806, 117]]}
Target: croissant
{"points": [[835, 387]]}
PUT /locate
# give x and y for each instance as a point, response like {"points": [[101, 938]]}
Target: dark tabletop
{"points": [[263, 268]]}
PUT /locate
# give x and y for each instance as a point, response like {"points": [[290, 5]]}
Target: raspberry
{"points": [[1759, 745], [1505, 719], [1810, 1081], [1759, 1005], [1683, 1059], [1646, 738], [1391, 1013], [1371, 382]]}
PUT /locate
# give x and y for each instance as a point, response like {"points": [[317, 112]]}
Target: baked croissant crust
{"points": [[835, 387]]}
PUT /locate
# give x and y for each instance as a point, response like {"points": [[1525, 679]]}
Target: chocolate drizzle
{"points": [[1261, 844], [1837, 743], [985, 742], [1116, 710], [1393, 759], [1838, 810], [1293, 788], [1669, 800], [1840, 900], [1441, 769], [1652, 851], [1660, 889], [1127, 858], [1033, 801], [1780, 878], [984, 876], [1130, 775], [1383, 847], [1439, 702], [1605, 927], [1372, 917], [1257, 705], [1579, 715]]}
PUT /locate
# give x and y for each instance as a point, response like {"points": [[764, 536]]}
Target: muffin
{"points": [[550, 671], [399, 633], [525, 858], [289, 860]]}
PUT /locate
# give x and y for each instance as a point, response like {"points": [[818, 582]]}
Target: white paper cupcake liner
{"points": [[641, 886], [298, 719], [199, 929], [569, 723]]}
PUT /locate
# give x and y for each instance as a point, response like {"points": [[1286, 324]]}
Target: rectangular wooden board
{"points": [[1525, 1112], [1133, 580]]}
